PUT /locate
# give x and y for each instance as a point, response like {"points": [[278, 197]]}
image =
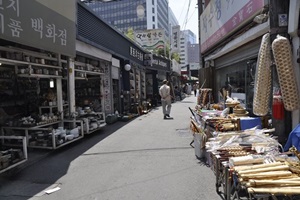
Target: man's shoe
{"points": [[167, 115]]}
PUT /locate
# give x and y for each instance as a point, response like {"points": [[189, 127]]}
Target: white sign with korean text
{"points": [[150, 39], [222, 17]]}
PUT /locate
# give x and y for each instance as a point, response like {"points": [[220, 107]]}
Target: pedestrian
{"points": [[195, 89], [164, 92]]}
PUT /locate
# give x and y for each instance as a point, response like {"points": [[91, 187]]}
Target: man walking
{"points": [[164, 92]]}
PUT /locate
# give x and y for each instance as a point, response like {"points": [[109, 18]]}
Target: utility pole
{"points": [[277, 8]]}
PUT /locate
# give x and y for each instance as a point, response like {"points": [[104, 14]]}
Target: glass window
{"points": [[238, 79]]}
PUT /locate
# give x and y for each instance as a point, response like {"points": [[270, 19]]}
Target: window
{"points": [[153, 18], [153, 10]]}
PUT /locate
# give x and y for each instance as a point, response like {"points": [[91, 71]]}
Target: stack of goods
{"points": [[248, 142], [222, 124], [205, 97], [269, 178], [10, 157], [239, 111], [234, 151]]}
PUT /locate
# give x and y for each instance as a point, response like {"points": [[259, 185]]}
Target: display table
{"points": [[43, 136]]}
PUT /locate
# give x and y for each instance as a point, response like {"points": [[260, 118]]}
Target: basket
{"points": [[239, 111], [231, 105]]}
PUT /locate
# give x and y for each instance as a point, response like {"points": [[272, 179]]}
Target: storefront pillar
{"points": [[59, 97], [71, 85]]}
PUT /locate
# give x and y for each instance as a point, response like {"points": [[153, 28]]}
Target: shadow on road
{"points": [[35, 176]]}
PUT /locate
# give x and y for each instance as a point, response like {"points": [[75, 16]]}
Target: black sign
{"points": [[31, 23]]}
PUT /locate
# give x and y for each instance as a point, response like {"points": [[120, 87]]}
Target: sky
{"points": [[181, 9]]}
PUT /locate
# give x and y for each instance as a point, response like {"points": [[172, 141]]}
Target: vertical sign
{"points": [[175, 39], [34, 24], [107, 88]]}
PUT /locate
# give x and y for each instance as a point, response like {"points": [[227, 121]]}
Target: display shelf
{"points": [[50, 138], [50, 108], [21, 160], [38, 76], [92, 120], [89, 72]]}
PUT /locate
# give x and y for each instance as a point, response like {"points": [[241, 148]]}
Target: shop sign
{"points": [[106, 88], [34, 24], [150, 39], [222, 17], [160, 63], [175, 38], [136, 53]]}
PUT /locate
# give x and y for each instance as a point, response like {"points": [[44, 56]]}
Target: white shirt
{"points": [[164, 92]]}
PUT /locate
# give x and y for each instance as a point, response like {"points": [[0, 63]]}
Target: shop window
{"points": [[238, 79]]}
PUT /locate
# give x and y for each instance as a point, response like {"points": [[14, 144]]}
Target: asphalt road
{"points": [[147, 158]]}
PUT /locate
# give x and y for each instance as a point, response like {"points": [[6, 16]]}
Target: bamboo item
{"points": [[262, 175], [283, 182], [265, 169], [286, 73], [262, 84], [275, 190], [249, 167]]}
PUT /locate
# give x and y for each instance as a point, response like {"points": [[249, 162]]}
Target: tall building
{"points": [[187, 37], [136, 14], [172, 19]]}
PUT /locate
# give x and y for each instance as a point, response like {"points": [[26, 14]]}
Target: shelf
{"points": [[24, 145], [30, 127], [97, 129], [58, 146], [88, 72], [52, 106], [25, 63], [38, 76]]}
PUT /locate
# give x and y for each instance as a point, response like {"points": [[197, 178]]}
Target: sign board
{"points": [[107, 88], [175, 40], [39, 24], [222, 17], [150, 39]]}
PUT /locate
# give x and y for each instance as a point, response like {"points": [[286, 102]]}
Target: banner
{"points": [[150, 39], [175, 39]]}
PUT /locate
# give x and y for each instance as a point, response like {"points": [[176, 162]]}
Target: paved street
{"points": [[147, 158]]}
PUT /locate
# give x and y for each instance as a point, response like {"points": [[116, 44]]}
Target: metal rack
{"points": [[24, 147]]}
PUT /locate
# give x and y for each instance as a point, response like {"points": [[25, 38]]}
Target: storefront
{"points": [[35, 53], [230, 45]]}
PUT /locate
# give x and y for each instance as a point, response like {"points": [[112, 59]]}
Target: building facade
{"points": [[187, 37], [136, 14], [230, 43]]}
